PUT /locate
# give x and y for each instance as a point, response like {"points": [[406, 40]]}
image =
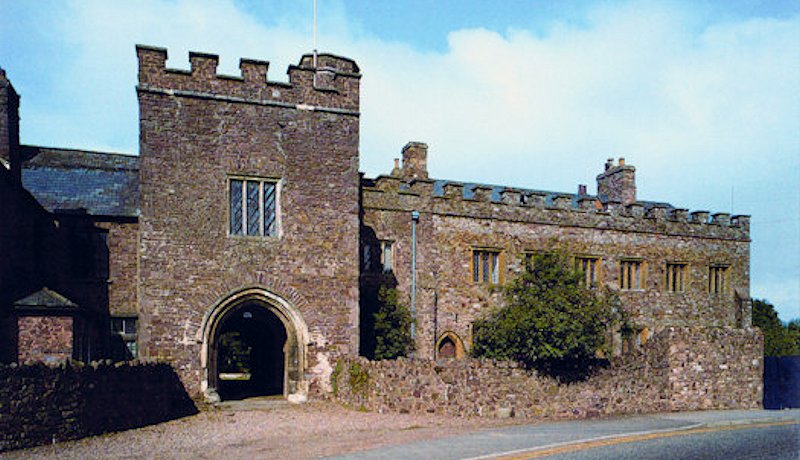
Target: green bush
{"points": [[392, 326], [550, 320]]}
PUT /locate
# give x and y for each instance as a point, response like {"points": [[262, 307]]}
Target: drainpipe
{"points": [[414, 220]]}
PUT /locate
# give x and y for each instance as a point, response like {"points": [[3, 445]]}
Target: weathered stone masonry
{"points": [[164, 239], [680, 369], [199, 129], [514, 222]]}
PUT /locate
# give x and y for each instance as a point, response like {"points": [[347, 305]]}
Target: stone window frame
{"points": [[718, 274], [127, 332], [478, 274], [380, 264], [387, 252], [261, 180], [672, 283], [528, 255], [592, 278], [641, 274]]}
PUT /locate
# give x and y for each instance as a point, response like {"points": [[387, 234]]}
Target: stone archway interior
{"points": [[251, 353]]}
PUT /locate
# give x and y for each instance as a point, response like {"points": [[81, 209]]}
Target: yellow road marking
{"points": [[578, 446]]}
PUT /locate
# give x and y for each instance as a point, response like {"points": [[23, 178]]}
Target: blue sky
{"points": [[702, 97]]}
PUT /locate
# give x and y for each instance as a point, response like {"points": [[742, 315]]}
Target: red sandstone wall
{"points": [[42, 404], [45, 338], [680, 369], [451, 227], [190, 144], [123, 245]]}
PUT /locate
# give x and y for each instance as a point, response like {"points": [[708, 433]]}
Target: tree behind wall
{"points": [[779, 339], [392, 326], [550, 321]]}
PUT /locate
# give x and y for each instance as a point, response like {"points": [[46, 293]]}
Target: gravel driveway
{"points": [[281, 431]]}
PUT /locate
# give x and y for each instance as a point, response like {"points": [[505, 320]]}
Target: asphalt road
{"points": [[773, 442], [728, 435]]}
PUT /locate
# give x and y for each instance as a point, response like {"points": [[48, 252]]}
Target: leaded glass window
{"points": [[269, 208], [236, 207], [486, 266], [252, 207]]}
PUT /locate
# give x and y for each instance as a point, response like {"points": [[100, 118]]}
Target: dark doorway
{"points": [[447, 349], [251, 357]]}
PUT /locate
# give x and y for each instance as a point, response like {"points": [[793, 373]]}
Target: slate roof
{"points": [[102, 184]]}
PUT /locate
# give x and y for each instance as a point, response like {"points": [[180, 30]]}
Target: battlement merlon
{"points": [[615, 205], [332, 85], [512, 204]]}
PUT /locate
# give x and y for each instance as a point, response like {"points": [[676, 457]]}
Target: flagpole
{"points": [[315, 34]]}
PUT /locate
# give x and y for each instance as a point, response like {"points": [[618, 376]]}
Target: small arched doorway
{"points": [[449, 346], [254, 344]]}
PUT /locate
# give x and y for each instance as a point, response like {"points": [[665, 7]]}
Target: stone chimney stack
{"points": [[617, 182], [9, 126], [415, 161]]}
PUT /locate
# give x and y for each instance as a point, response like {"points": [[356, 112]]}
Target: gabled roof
{"points": [[102, 184], [44, 299]]}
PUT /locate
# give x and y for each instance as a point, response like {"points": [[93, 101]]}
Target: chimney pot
{"points": [[396, 171], [415, 161], [618, 183], [582, 189]]}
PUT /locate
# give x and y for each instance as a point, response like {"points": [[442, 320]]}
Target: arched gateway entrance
{"points": [[254, 344]]}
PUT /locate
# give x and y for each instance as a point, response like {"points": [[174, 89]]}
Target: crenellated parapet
{"points": [[484, 202], [328, 83]]}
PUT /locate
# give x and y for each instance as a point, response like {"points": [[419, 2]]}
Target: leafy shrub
{"points": [[550, 321], [392, 326]]}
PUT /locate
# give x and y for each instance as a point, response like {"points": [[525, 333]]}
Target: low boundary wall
{"points": [[679, 369], [40, 404]]}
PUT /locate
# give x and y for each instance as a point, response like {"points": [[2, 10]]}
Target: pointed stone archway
{"points": [[274, 337], [450, 346]]}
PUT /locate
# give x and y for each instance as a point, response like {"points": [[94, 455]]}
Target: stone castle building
{"points": [[245, 213]]}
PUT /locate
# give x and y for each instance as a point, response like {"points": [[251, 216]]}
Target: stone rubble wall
{"points": [[715, 368], [655, 380], [45, 338], [40, 404]]}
